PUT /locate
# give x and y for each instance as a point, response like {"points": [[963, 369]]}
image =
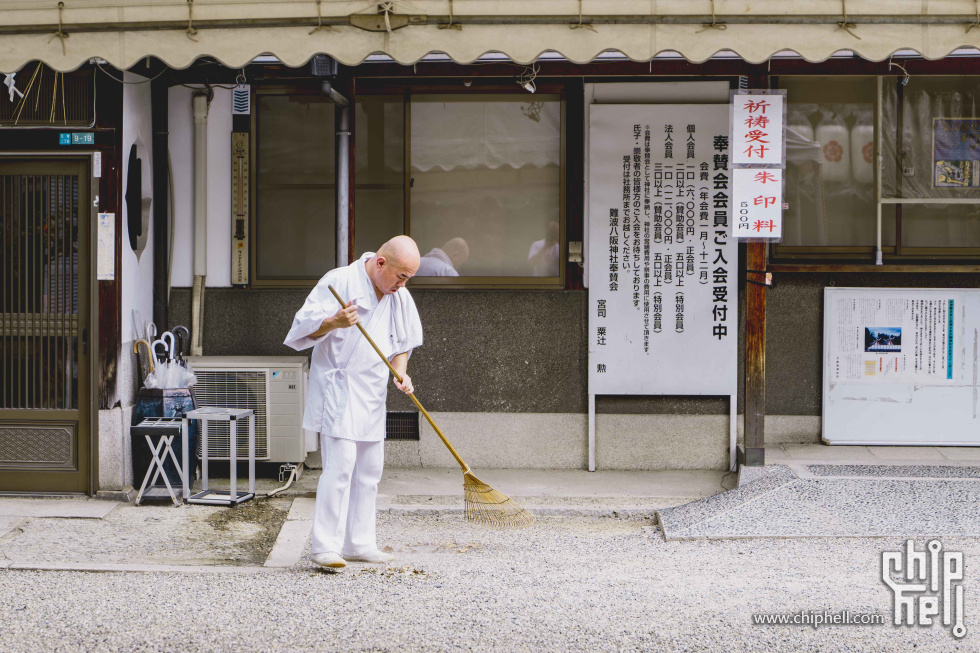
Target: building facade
{"points": [[482, 155]]}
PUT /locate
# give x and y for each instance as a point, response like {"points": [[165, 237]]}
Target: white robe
{"points": [[348, 380]]}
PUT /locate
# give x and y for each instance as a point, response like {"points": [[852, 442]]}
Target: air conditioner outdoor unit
{"points": [[273, 386]]}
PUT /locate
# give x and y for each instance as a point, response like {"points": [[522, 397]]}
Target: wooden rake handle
{"points": [[463, 465]]}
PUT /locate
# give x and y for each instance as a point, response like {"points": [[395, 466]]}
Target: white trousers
{"points": [[344, 517]]}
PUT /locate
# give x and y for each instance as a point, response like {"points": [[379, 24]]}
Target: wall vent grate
{"points": [[402, 426]]}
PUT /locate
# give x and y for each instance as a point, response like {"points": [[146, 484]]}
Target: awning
{"points": [[234, 32]]}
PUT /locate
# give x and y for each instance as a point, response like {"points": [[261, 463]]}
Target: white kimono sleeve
{"points": [[320, 305]]}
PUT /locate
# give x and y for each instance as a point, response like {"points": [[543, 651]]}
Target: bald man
{"points": [[348, 389]]}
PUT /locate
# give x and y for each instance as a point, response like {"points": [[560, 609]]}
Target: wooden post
{"points": [[109, 120], [753, 452]]}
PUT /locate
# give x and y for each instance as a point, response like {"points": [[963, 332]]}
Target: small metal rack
{"points": [[232, 415], [165, 428]]}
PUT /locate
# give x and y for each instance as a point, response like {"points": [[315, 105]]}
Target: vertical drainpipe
{"points": [[199, 102], [342, 182], [343, 185]]}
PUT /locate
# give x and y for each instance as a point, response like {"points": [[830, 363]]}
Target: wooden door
{"points": [[45, 281]]}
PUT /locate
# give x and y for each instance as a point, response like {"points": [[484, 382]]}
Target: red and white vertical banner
{"points": [[757, 130], [757, 202], [758, 157]]}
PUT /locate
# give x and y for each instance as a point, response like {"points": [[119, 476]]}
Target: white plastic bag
{"points": [[170, 375]]}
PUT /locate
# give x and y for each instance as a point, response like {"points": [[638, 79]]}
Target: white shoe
{"points": [[330, 560], [370, 556]]}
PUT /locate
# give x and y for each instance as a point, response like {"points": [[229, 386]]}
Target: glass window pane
{"points": [[830, 162], [295, 187], [380, 217], [486, 184], [380, 140], [379, 192], [297, 238], [940, 225], [295, 139]]}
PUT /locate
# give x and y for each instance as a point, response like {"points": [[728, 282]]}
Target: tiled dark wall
{"points": [[493, 351], [525, 350], [484, 351]]}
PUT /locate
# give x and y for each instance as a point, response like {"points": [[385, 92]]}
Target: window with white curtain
{"points": [[475, 179]]}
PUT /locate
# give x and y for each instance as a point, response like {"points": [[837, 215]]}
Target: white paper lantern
{"points": [[835, 145]]}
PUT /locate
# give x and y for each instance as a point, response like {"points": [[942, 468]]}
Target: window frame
{"points": [[372, 86]]}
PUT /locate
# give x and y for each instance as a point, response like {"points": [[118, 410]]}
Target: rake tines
{"points": [[488, 506]]}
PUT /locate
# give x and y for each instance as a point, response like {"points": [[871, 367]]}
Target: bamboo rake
{"points": [[482, 503]]}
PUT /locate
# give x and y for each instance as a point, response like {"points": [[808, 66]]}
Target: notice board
{"points": [[663, 301], [900, 366]]}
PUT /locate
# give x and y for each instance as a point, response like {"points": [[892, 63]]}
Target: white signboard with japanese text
{"points": [[663, 300], [900, 366], [757, 203], [757, 129]]}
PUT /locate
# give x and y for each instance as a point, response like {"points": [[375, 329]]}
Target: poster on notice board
{"points": [[909, 337], [956, 152]]}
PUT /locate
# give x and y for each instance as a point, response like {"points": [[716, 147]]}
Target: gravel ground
{"points": [[567, 584]]}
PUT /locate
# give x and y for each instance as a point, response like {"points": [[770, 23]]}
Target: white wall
{"points": [[219, 187], [137, 275]]}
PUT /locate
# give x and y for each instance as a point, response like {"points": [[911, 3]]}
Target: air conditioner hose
{"points": [[289, 481]]}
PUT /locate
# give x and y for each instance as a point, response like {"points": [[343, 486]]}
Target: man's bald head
{"points": [[393, 265], [402, 251]]}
